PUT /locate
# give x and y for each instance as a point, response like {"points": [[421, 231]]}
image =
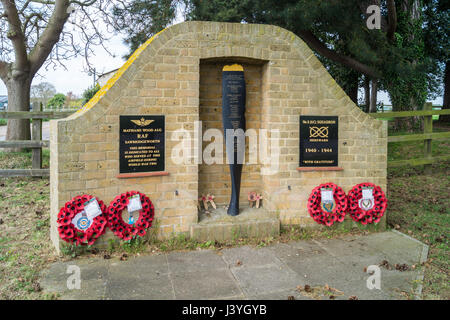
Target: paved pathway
{"points": [[272, 272]]}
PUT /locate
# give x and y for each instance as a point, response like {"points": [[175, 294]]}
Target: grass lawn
{"points": [[24, 229], [418, 206]]}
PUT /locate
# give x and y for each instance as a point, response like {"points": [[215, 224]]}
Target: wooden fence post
{"points": [[37, 136], [428, 128]]}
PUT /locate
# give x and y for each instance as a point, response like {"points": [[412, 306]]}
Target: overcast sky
{"points": [[76, 80]]}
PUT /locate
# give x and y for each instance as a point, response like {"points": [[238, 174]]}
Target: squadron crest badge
{"points": [[327, 204], [366, 203]]}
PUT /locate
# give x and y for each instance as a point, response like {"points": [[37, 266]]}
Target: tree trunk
{"points": [[353, 88], [18, 100], [367, 93], [374, 96], [446, 102]]}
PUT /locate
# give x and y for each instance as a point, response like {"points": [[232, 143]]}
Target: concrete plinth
{"points": [[250, 223]]}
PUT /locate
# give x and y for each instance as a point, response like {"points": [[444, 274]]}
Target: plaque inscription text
{"points": [[318, 141], [142, 144]]}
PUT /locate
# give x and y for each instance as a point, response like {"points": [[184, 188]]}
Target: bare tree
{"points": [[42, 92], [34, 33]]}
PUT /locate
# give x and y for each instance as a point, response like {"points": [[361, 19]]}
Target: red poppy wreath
{"points": [[81, 221], [327, 204], [137, 222], [367, 203]]}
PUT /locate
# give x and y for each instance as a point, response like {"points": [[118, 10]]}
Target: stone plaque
{"points": [[142, 144], [318, 141]]}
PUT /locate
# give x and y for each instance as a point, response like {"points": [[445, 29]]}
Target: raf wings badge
{"points": [[142, 122]]}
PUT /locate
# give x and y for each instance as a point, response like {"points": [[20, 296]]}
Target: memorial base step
{"points": [[250, 223]]}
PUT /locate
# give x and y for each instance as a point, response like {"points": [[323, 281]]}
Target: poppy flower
{"points": [[69, 233], [142, 232]]}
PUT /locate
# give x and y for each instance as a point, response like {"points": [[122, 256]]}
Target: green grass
{"points": [[415, 149], [25, 247], [419, 206], [22, 160]]}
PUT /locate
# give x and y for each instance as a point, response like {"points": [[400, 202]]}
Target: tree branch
{"points": [[50, 36], [28, 19], [84, 4], [17, 38], [317, 45], [43, 1]]}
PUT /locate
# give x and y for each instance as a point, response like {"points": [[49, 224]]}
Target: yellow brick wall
{"points": [[164, 78]]}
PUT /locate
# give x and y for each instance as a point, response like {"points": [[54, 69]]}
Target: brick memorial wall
{"points": [[177, 74]]}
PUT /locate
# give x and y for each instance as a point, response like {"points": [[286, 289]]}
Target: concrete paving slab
{"points": [[89, 290], [93, 270], [395, 281], [280, 295], [203, 260], [307, 247], [137, 287], [151, 266], [346, 247], [289, 250], [206, 284], [272, 272], [403, 254], [359, 289], [56, 277], [320, 270], [265, 279], [396, 247], [248, 256], [140, 278], [392, 284], [358, 263]]}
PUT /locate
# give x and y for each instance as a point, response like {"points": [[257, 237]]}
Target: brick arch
{"points": [[226, 40]]}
